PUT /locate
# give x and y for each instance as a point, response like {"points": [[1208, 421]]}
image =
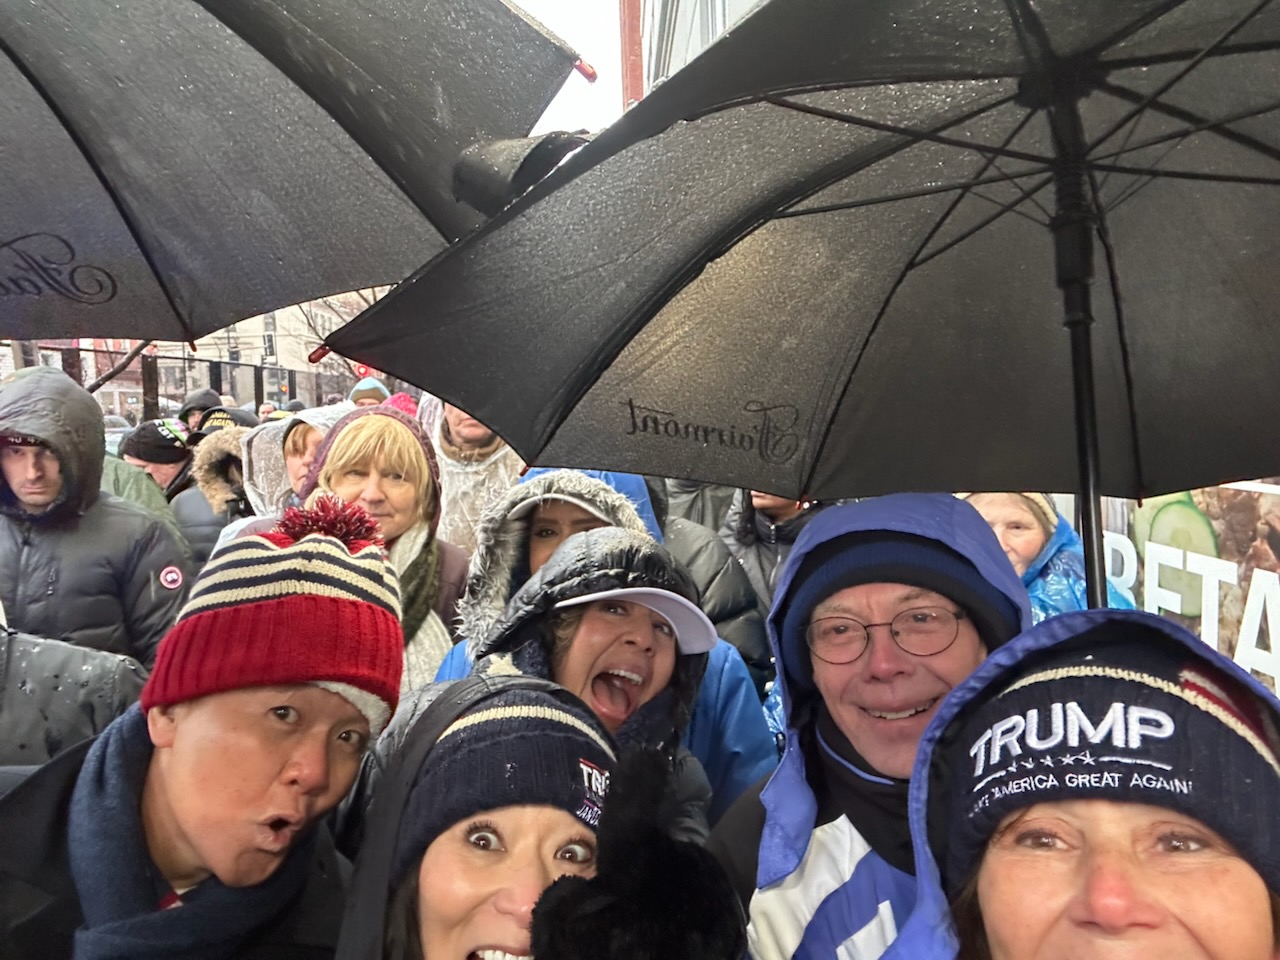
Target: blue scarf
{"points": [[120, 887]]}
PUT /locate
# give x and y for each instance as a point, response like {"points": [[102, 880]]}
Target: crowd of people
{"points": [[352, 681]]}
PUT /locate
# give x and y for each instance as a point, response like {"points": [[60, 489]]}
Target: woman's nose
{"points": [[1113, 896], [639, 632], [371, 492], [523, 884]]}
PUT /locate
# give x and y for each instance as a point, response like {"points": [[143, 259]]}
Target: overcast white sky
{"points": [[591, 27]]}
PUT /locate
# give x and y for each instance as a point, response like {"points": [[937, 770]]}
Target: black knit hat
{"points": [[216, 418], [157, 441], [888, 557], [1119, 713], [517, 748]]}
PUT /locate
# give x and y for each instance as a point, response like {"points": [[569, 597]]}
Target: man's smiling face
{"points": [[884, 699]]}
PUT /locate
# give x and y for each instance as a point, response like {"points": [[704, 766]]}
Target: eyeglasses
{"points": [[920, 631]]}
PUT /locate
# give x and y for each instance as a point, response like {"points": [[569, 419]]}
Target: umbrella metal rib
{"points": [[909, 263], [914, 132], [929, 191], [1200, 123], [1203, 126], [1195, 61]]}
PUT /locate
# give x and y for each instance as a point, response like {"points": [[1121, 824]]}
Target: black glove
{"points": [[653, 898]]}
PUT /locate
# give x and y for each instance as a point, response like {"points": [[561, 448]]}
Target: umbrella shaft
{"points": [[1073, 224], [1087, 458]]}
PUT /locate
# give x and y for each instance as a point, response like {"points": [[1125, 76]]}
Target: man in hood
{"points": [[197, 402], [881, 609], [77, 564]]}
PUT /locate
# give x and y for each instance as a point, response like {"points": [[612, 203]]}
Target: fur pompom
{"points": [[330, 517]]}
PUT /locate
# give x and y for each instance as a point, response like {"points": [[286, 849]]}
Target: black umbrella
{"points": [[172, 166], [844, 273]]}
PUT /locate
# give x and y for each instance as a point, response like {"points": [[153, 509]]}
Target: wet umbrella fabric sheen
{"points": [[834, 256], [173, 166]]}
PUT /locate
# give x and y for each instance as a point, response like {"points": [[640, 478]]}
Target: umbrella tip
{"points": [[586, 69], [319, 353]]}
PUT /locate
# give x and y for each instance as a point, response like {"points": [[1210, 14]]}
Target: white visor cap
{"points": [[526, 507], [694, 632]]}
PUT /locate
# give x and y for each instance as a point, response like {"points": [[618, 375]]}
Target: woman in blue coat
{"points": [[1044, 549]]}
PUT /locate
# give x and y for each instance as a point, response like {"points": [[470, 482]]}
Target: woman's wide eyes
{"points": [[576, 853], [484, 839], [287, 714]]}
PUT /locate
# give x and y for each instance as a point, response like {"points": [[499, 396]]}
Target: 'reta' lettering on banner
{"points": [[1207, 558]]}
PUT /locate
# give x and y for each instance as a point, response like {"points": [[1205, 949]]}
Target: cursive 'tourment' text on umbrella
{"points": [[771, 436]]}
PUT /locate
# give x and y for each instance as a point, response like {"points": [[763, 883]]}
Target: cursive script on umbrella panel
{"points": [[769, 434], [44, 264]]}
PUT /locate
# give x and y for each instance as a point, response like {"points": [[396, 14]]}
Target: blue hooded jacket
{"points": [[1055, 580], [727, 732], [928, 934], [861, 902]]}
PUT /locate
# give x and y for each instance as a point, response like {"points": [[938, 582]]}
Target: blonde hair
{"points": [[391, 446], [295, 441]]}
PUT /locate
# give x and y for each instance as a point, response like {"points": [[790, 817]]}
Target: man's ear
{"points": [[162, 725]]}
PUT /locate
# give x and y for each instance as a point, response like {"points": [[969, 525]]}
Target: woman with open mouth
{"points": [[614, 619]]}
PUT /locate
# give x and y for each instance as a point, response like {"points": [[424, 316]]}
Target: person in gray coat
{"points": [[77, 564], [759, 532]]}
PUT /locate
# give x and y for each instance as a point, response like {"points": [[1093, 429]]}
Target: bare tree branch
{"points": [[311, 319], [120, 367]]}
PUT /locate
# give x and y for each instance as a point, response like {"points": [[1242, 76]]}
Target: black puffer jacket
{"points": [[54, 695], [609, 558], [760, 546], [195, 518], [209, 492], [728, 597], [93, 570]]}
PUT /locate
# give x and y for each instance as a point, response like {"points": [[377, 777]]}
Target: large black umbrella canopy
{"points": [[173, 166], [845, 273]]}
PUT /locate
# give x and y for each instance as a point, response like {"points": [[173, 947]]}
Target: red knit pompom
{"points": [[330, 517]]}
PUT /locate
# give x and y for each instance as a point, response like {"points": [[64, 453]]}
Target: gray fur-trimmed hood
{"points": [[501, 544]]}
